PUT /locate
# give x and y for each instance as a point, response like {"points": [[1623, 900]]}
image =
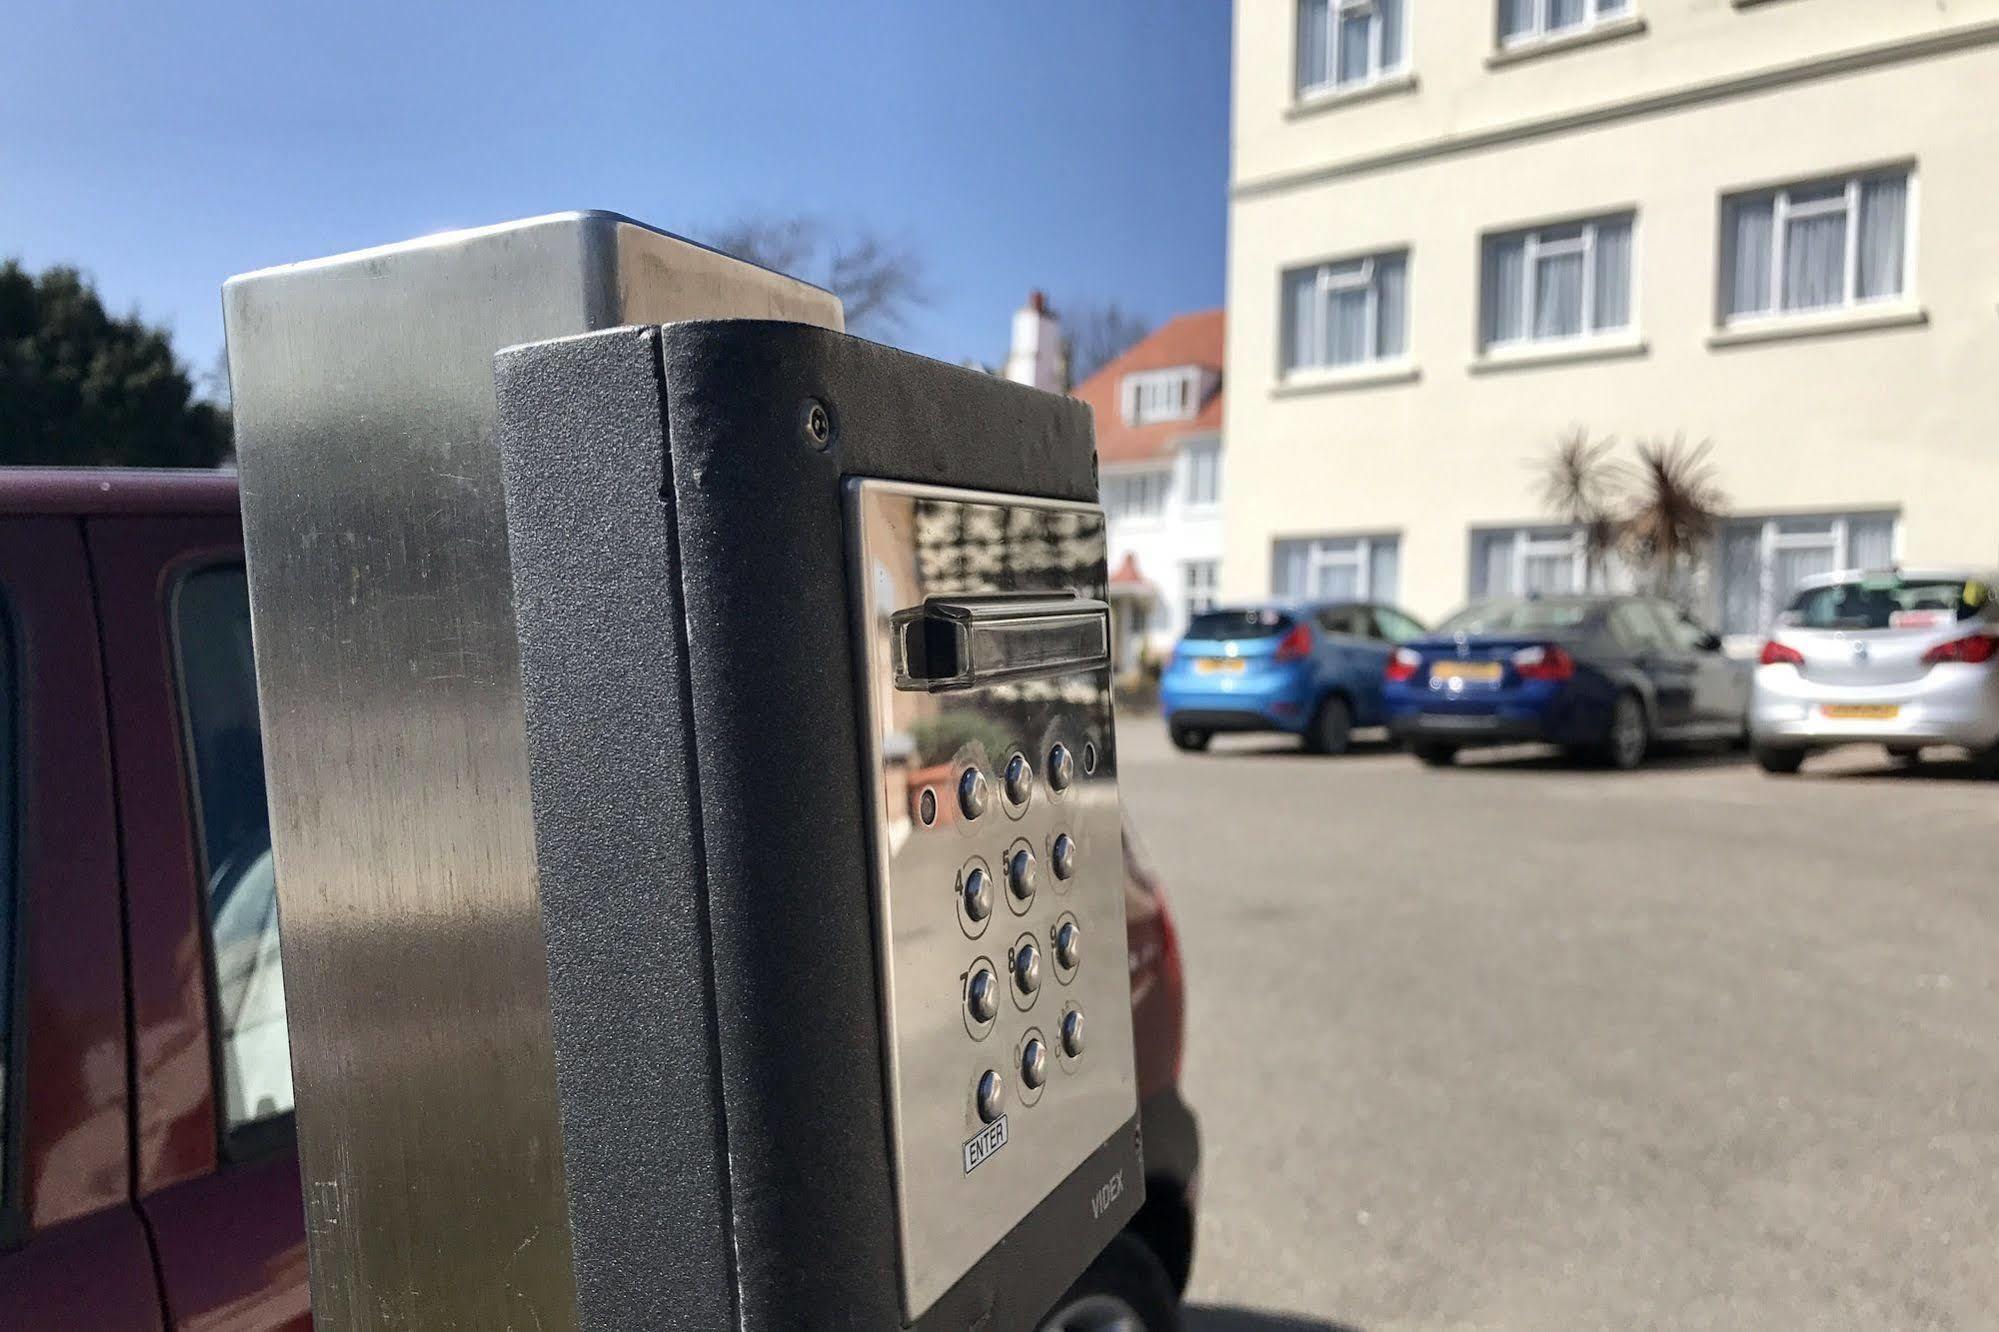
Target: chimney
{"points": [[1036, 358]]}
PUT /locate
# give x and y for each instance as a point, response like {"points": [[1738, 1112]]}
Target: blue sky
{"points": [[1080, 147]]}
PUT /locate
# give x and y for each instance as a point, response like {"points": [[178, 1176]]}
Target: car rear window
{"points": [[1887, 602], [1212, 626], [1537, 615]]}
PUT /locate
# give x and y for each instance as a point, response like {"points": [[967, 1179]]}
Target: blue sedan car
{"points": [[1605, 677], [1313, 671]]}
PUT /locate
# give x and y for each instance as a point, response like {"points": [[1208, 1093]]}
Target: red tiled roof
{"points": [[1189, 339]]}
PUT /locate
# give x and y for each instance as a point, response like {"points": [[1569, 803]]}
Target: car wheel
{"points": [[1190, 739], [1630, 735], [1331, 731], [1125, 1290], [1433, 755], [1779, 762]]}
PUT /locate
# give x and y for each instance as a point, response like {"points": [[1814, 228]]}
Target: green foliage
{"points": [[79, 387]]}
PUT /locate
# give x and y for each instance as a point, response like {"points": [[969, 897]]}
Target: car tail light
{"points": [[1778, 654], [1973, 651], [1402, 665], [1546, 662], [1297, 644]]}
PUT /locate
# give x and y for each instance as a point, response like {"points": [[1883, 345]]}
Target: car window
{"points": [[1394, 626], [219, 691], [1887, 602], [1346, 620], [1215, 626], [1681, 629], [1634, 628]]}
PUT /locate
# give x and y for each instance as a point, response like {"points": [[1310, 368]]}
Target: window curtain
{"points": [[1884, 209], [1384, 568], [1558, 295], [1301, 298], [1356, 28], [1346, 326], [1746, 244], [1391, 284], [1338, 581], [1613, 275], [1516, 18], [1314, 44], [1505, 277], [1791, 565], [1566, 13], [1870, 542], [1742, 579], [1391, 32], [1290, 568], [1814, 257]]}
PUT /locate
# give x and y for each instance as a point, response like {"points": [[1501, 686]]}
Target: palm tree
{"points": [[1580, 482], [1676, 507]]}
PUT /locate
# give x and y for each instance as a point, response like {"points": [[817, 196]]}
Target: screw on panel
{"points": [[818, 424]]}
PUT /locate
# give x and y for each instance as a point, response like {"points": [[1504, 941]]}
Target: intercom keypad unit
{"points": [[999, 871]]}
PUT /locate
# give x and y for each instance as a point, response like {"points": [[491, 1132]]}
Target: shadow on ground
{"points": [[1541, 758], [1213, 1318]]}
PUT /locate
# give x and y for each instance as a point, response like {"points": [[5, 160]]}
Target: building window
{"points": [[1364, 568], [1527, 561], [1162, 395], [1818, 246], [1346, 313], [1764, 559], [1522, 21], [1567, 281], [225, 747], [1201, 580], [1135, 494], [1204, 475], [1348, 43]]}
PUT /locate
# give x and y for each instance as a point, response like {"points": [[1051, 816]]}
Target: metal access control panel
{"points": [[999, 879]]}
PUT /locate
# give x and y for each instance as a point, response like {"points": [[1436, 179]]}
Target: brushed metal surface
{"points": [[388, 678], [914, 542]]}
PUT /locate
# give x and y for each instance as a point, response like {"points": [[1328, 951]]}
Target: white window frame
{"points": [[1536, 248], [1523, 544], [1194, 456], [1594, 18], [1326, 282], [1200, 586], [1782, 210], [1771, 538], [1123, 488], [1153, 396], [1322, 553], [1336, 10]]}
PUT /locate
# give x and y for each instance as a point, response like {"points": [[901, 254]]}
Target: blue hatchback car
{"points": [[1309, 670]]}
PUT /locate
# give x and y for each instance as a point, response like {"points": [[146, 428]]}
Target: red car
{"points": [[148, 1170]]}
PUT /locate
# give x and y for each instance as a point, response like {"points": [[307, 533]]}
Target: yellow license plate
{"points": [[1219, 665], [1481, 672], [1861, 711]]}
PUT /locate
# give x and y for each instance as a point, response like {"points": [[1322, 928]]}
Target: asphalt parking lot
{"points": [[1520, 1045]]}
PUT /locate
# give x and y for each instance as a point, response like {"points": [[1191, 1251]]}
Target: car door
{"points": [[73, 1252], [217, 1172], [1721, 684], [1349, 661], [1669, 673]]}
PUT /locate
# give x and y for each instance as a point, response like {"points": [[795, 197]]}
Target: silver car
{"points": [[1901, 658]]}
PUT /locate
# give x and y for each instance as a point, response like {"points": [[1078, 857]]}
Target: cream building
{"points": [[1460, 228]]}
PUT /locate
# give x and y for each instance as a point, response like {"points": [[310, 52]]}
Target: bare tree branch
{"points": [[878, 282], [1098, 335]]}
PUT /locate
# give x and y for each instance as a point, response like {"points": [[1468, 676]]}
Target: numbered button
{"points": [[1020, 874], [982, 995], [1061, 768], [977, 889], [972, 793], [1026, 971], [1019, 780], [1063, 855], [1068, 946], [1072, 1032], [1033, 1063]]}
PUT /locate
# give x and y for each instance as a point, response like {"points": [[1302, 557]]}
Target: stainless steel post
{"points": [[389, 680]]}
